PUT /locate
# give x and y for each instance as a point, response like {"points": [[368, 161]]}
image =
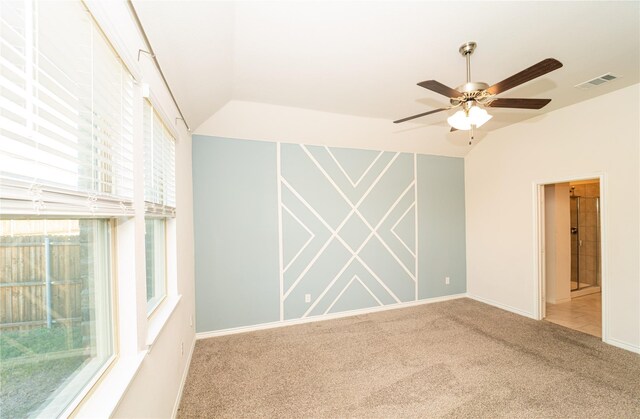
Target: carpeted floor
{"points": [[459, 358]]}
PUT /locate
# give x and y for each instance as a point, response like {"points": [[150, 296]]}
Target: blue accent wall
{"points": [[350, 229], [441, 230], [235, 204]]}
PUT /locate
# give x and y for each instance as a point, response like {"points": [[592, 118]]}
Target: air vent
{"points": [[605, 78]]}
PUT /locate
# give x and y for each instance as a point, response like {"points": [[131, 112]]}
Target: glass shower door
{"points": [[585, 242]]}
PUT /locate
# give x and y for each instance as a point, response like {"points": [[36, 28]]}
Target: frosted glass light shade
{"points": [[478, 116], [463, 121], [459, 121]]}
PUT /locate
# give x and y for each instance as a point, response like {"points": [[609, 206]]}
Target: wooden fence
{"points": [[40, 281]]}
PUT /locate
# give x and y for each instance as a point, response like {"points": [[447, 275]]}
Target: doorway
{"points": [[571, 258]]}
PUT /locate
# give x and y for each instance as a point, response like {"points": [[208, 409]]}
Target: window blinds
{"points": [[66, 114], [159, 165]]}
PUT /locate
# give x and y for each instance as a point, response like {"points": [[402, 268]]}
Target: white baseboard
{"points": [[560, 301], [184, 380], [284, 323], [502, 306], [623, 345], [272, 325], [585, 291]]}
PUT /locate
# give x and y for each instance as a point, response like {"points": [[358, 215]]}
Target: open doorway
{"points": [[572, 266]]}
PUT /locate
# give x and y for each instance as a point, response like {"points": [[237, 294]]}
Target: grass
{"points": [[24, 388], [27, 375], [20, 343]]}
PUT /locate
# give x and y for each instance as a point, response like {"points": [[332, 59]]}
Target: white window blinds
{"points": [[66, 113], [159, 165]]}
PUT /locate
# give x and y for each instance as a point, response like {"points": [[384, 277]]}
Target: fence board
{"points": [[23, 276]]}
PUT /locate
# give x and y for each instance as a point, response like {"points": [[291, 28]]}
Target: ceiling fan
{"points": [[473, 97]]}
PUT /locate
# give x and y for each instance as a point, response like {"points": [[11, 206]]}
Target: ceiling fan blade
{"points": [[419, 115], [536, 70], [519, 103], [438, 87]]}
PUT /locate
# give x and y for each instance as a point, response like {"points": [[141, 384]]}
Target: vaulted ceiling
{"points": [[365, 58]]}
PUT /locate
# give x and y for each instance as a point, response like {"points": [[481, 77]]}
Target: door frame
{"points": [[539, 245]]}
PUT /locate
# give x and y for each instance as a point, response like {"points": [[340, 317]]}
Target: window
{"points": [[66, 124], [56, 330], [159, 196], [154, 241]]}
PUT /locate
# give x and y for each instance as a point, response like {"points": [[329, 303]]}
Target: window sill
{"points": [[103, 401], [107, 394], [160, 317]]}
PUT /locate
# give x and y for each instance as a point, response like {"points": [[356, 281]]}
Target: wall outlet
{"points": [[446, 280], [307, 298], [181, 348], [191, 320]]}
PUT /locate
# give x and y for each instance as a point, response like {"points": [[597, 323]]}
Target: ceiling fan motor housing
{"points": [[470, 90]]}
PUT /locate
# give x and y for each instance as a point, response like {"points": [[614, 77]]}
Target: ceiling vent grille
{"points": [[605, 78]]}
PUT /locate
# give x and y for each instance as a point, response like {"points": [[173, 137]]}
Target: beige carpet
{"points": [[458, 358]]}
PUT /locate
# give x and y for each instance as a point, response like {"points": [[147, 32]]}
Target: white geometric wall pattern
{"points": [[347, 229]]}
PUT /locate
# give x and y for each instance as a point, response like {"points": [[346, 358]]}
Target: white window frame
{"points": [[93, 372], [159, 211], [135, 332], [101, 208]]}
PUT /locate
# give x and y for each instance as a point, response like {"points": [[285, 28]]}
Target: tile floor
{"points": [[581, 313]]}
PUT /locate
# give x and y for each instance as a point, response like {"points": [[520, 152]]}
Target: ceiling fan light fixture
{"points": [[478, 116], [463, 120], [460, 121]]}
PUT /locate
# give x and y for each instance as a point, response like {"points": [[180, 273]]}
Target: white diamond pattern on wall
{"points": [[288, 233], [348, 229]]}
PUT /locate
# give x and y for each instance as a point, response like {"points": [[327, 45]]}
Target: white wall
{"points": [[557, 237], [596, 137]]}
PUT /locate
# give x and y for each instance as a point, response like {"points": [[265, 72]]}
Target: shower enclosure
{"points": [[585, 242]]}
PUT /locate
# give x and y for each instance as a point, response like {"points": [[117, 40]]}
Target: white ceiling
{"points": [[364, 58]]}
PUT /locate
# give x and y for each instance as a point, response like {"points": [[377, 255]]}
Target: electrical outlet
{"points": [[307, 298], [446, 280], [181, 348], [191, 320]]}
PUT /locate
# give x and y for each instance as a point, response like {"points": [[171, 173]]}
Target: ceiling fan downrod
{"points": [[466, 50], [470, 91]]}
